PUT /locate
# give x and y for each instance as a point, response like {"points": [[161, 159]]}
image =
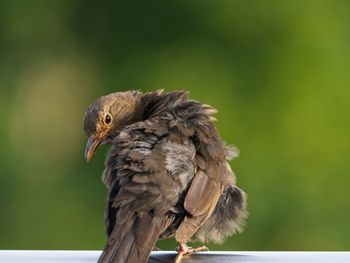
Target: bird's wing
{"points": [[200, 202], [227, 218]]}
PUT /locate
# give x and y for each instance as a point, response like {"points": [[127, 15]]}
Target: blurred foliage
{"points": [[278, 71]]}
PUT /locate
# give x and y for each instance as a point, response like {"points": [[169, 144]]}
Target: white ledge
{"points": [[79, 256]]}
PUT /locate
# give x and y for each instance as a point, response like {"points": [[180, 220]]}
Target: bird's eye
{"points": [[108, 119]]}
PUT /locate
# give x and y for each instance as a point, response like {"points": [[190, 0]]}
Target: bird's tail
{"points": [[133, 241]]}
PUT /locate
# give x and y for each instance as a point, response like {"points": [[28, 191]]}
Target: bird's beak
{"points": [[91, 147]]}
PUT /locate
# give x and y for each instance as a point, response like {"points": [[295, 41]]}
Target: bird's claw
{"points": [[183, 250]]}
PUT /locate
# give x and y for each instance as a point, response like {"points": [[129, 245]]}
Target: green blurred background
{"points": [[278, 71]]}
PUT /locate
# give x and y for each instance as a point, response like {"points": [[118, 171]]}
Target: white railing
{"points": [[70, 256]]}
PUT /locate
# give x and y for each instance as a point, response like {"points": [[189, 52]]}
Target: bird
{"points": [[166, 172]]}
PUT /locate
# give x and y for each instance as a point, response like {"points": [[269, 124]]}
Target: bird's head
{"points": [[107, 116]]}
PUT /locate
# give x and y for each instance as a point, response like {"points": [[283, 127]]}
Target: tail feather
{"points": [[133, 242]]}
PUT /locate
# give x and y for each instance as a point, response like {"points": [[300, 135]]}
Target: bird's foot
{"points": [[183, 250]]}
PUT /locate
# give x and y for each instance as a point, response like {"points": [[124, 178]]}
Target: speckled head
{"points": [[108, 115]]}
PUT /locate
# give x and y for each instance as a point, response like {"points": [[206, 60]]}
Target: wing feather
{"points": [[200, 202]]}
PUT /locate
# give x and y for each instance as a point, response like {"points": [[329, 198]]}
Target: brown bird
{"points": [[166, 173]]}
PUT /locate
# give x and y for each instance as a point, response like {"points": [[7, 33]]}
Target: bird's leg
{"points": [[183, 249]]}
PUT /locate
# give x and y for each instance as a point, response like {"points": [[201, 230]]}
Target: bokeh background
{"points": [[278, 71]]}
